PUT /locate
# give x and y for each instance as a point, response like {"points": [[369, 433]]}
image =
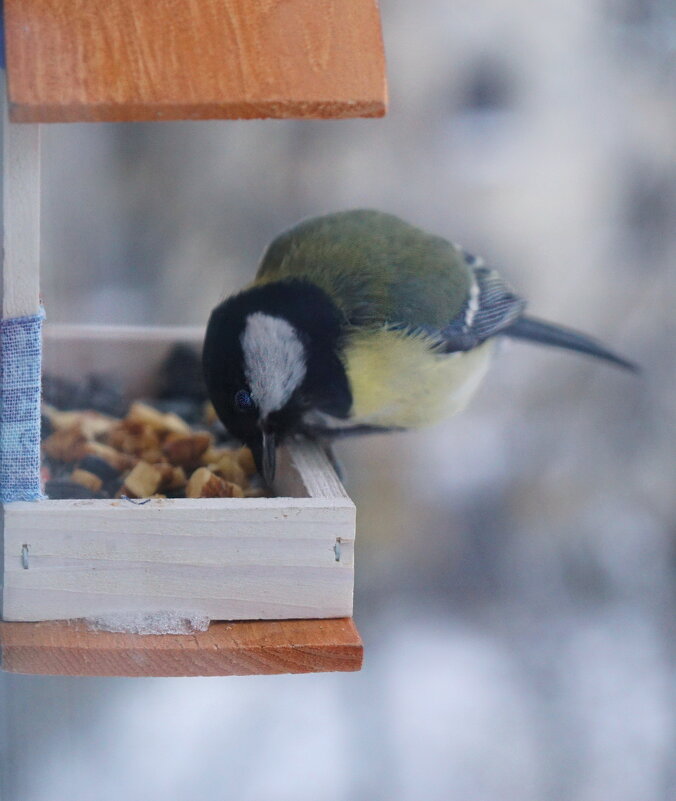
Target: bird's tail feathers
{"points": [[534, 330]]}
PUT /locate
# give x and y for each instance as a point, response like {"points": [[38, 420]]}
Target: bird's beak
{"points": [[269, 456]]}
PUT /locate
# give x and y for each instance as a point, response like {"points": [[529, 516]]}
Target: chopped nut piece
{"points": [[143, 480], [153, 456], [173, 478], [246, 460], [175, 424], [209, 414], [228, 467], [185, 450], [204, 484], [161, 422], [66, 445], [92, 424], [86, 479], [178, 479], [133, 437], [120, 461], [233, 490], [143, 413], [212, 455]]}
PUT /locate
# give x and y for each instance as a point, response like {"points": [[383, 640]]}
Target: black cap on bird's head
{"points": [[270, 355]]}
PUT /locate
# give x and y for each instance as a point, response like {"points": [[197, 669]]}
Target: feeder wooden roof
{"points": [[125, 60]]}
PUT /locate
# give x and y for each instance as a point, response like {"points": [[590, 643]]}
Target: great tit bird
{"points": [[357, 322]]}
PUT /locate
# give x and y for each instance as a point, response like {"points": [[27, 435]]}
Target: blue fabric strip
{"points": [[20, 368]]}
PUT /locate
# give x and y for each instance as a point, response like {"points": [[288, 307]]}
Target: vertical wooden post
{"points": [[20, 215], [20, 249]]}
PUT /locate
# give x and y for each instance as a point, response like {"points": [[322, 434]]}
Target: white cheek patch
{"points": [[274, 360]]}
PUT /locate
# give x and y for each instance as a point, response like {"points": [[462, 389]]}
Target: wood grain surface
{"points": [[226, 558], [226, 649], [19, 217], [120, 60]]}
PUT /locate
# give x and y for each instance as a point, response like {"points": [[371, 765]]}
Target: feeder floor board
{"points": [[126, 60], [243, 648]]}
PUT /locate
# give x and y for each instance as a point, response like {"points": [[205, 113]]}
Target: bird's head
{"points": [[269, 357]]}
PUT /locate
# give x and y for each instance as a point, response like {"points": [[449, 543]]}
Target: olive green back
{"points": [[377, 268]]}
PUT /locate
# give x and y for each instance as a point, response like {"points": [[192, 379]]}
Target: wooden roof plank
{"points": [[126, 60]]}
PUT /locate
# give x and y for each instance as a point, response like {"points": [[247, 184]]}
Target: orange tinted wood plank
{"points": [[70, 648], [119, 60]]}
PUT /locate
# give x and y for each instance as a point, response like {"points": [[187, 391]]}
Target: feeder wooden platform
{"points": [[235, 558], [226, 649], [130, 60]]}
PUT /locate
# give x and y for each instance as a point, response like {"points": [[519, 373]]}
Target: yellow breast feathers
{"points": [[398, 379]]}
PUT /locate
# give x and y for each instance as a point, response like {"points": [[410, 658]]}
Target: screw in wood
{"points": [[336, 549]]}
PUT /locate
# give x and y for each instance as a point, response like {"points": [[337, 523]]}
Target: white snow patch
{"points": [[150, 622]]}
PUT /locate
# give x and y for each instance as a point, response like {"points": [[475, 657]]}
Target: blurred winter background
{"points": [[515, 567]]}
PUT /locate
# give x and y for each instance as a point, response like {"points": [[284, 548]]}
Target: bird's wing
{"points": [[381, 271], [376, 268], [491, 306]]}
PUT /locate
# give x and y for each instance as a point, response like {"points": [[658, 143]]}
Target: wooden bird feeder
{"points": [[276, 573]]}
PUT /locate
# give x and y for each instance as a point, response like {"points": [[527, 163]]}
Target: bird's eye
{"points": [[243, 401]]}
